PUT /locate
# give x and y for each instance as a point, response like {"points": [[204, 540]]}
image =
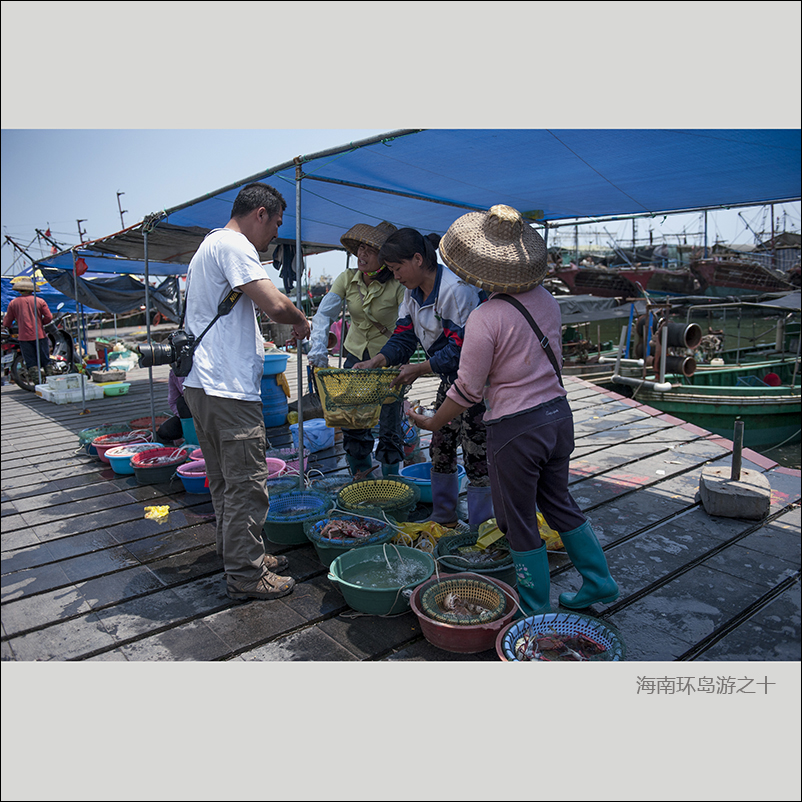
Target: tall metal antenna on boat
{"points": [[122, 212]]}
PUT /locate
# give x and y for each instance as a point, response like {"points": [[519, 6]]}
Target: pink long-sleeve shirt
{"points": [[502, 359]]}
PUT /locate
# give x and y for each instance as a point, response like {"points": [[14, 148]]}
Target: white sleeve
{"points": [[327, 313]]}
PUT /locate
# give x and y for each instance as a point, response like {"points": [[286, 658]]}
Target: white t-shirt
{"points": [[229, 361]]}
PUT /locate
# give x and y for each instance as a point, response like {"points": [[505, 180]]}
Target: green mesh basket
{"points": [[288, 511], [353, 398], [394, 496], [463, 601]]}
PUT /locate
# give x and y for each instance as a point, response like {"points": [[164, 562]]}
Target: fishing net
{"points": [[353, 399], [463, 601]]}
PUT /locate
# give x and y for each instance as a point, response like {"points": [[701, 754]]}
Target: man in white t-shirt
{"points": [[223, 388]]}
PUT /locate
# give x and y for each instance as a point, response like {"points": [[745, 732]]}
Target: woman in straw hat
{"points": [[512, 356], [434, 312], [372, 297], [31, 315]]}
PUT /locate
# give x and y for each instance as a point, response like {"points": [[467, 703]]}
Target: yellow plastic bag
{"points": [[159, 514], [489, 533], [423, 536], [548, 535]]}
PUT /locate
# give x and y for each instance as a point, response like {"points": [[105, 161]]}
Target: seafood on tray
{"points": [[350, 530]]}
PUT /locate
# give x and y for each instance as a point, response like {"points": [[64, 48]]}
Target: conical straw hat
{"points": [[362, 233], [496, 251]]}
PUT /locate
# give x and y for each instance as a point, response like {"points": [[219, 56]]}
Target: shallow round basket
{"points": [[395, 496], [329, 548], [509, 642], [475, 591], [464, 638], [452, 562], [354, 571], [149, 472], [119, 457], [288, 512]]}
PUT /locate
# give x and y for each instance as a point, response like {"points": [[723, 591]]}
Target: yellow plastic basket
{"points": [[353, 398]]}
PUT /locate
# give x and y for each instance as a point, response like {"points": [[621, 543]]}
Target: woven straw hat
{"points": [[362, 233], [496, 251], [23, 284]]}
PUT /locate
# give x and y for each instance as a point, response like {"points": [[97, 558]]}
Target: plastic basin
{"points": [[154, 473], [275, 363], [104, 442], [193, 477], [420, 474], [289, 511], [353, 571], [328, 549], [464, 638], [119, 457]]}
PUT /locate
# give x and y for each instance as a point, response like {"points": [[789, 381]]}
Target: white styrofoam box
{"points": [[70, 381], [72, 395]]}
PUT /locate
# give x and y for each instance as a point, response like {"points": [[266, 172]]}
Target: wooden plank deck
{"points": [[85, 577]]}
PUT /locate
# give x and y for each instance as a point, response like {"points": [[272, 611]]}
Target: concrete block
{"points": [[747, 497]]}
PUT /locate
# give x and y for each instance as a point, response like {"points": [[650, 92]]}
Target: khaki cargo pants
{"points": [[231, 434]]}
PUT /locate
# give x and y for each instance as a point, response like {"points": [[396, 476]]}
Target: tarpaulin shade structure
{"points": [[117, 294], [426, 179]]}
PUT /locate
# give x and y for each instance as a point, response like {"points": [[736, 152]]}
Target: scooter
{"points": [[63, 353]]}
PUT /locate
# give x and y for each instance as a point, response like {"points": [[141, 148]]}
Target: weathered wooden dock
{"points": [[85, 576]]}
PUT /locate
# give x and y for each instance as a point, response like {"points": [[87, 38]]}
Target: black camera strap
{"points": [[223, 308]]}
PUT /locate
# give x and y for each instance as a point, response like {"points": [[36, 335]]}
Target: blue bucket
{"points": [[420, 474], [274, 401]]}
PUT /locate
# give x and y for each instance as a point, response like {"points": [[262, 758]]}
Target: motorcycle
{"points": [[63, 353]]}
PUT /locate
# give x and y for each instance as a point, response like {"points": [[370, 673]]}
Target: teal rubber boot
{"points": [[533, 580], [390, 470], [480, 505], [361, 466], [585, 551]]}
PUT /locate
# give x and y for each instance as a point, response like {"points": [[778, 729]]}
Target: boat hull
{"points": [[771, 415]]}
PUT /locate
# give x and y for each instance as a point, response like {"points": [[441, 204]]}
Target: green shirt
{"points": [[365, 303]]}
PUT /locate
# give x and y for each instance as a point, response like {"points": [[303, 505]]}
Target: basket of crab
{"points": [[559, 637], [339, 532], [465, 612]]}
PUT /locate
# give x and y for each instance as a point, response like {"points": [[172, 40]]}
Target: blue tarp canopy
{"points": [[428, 178], [51, 296]]}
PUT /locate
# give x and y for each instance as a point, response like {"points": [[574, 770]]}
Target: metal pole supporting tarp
{"points": [[147, 322], [36, 322], [298, 278], [79, 307]]}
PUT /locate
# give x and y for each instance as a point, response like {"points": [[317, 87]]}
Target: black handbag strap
{"points": [[544, 341]]}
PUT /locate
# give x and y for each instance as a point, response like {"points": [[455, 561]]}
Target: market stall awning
{"points": [[427, 178]]}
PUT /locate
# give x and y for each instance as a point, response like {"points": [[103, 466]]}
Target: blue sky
{"points": [[54, 177]]}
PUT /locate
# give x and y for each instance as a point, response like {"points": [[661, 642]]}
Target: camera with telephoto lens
{"points": [[177, 351]]}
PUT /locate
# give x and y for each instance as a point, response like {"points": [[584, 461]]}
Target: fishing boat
{"points": [[707, 384], [723, 276], [628, 282]]}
